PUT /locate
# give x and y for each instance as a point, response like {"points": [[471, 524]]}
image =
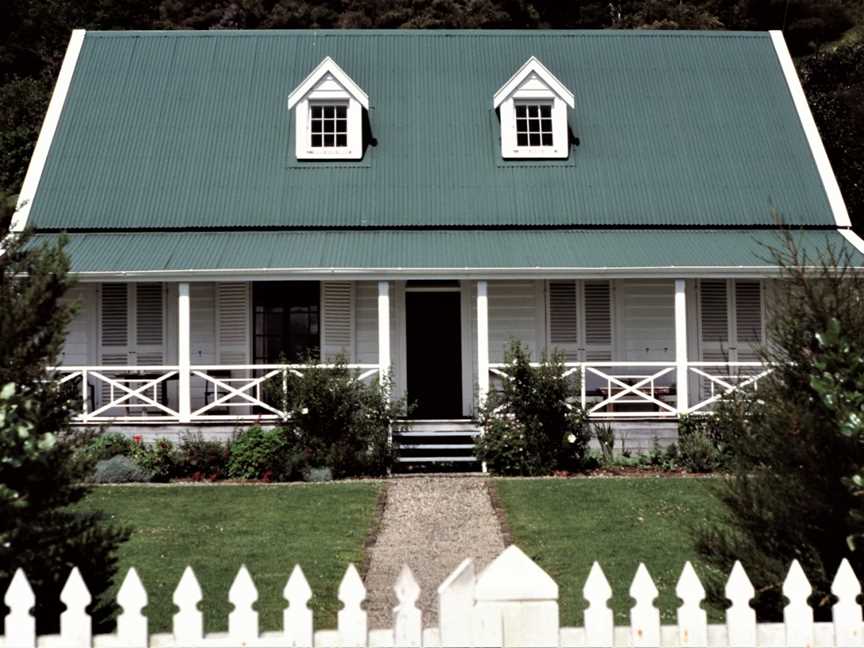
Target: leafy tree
{"points": [[834, 82], [790, 452], [40, 472]]}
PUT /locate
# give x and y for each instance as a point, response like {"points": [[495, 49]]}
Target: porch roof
{"points": [[203, 255]]}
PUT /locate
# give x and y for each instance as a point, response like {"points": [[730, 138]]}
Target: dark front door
{"points": [[433, 340]]}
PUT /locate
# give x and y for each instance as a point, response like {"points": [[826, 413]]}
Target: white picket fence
{"points": [[513, 602]]}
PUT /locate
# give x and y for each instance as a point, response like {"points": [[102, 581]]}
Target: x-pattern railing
{"points": [[631, 389], [736, 376]]}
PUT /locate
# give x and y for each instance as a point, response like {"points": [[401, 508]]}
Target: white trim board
{"points": [[817, 147], [856, 241], [46, 133]]}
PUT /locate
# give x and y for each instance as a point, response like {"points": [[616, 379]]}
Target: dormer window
{"points": [[328, 115], [533, 107]]}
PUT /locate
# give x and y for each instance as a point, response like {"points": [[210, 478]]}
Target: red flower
{"points": [[137, 438]]}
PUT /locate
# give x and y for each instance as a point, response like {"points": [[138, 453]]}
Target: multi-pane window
{"points": [[287, 321], [329, 125], [533, 124]]}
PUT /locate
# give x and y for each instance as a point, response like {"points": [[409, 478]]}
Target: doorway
{"points": [[433, 333]]}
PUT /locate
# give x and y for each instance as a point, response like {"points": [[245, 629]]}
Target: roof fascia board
{"points": [[817, 147], [46, 133], [856, 241], [328, 65], [367, 274], [533, 65]]}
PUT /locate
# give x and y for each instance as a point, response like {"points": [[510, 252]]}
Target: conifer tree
{"points": [[41, 474]]}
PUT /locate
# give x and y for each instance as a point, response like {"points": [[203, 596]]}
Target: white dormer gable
{"points": [[533, 110], [328, 114]]}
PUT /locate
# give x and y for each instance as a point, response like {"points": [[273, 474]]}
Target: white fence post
{"points": [[189, 621], [131, 624], [797, 615], [599, 622], [76, 627], [351, 619], [297, 624], [407, 618], [740, 617], [644, 617], [455, 603], [20, 624], [516, 603], [243, 620], [692, 619]]}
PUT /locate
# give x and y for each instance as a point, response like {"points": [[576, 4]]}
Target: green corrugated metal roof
{"points": [[191, 129], [449, 250]]}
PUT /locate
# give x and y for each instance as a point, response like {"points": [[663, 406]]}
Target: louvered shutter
{"points": [[149, 324], [714, 319], [114, 324], [598, 321], [563, 318], [748, 319], [337, 331], [233, 322]]}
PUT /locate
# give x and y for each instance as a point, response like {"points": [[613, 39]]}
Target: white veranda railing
{"points": [[512, 602], [629, 389], [136, 393]]}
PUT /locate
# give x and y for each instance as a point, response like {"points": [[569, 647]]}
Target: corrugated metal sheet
{"points": [[622, 249], [191, 129]]}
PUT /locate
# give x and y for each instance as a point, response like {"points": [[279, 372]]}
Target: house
{"points": [[411, 201]]}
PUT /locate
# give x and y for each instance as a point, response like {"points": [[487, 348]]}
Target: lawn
{"points": [[565, 525], [216, 528]]}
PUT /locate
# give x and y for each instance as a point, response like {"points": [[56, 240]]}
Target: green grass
{"points": [[217, 528], [565, 525]]}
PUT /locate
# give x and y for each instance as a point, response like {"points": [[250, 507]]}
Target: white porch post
{"points": [[681, 344], [184, 354], [383, 330], [482, 342]]}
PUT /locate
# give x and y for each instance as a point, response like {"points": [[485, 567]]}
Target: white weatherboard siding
{"points": [[516, 312]]}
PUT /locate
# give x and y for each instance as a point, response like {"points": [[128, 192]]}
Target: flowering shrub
{"points": [[272, 455], [529, 429], [160, 460]]}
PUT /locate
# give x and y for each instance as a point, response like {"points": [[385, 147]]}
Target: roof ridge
{"points": [[431, 33]]}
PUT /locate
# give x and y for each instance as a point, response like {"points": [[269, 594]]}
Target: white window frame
{"points": [[533, 83], [327, 85]]}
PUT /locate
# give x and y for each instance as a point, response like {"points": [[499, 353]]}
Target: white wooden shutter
{"points": [[232, 306], [748, 319], [337, 314], [114, 324], [714, 319], [563, 318], [149, 324], [598, 321]]}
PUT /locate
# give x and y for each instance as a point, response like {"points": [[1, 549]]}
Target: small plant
{"points": [[200, 459], [273, 454], [119, 470], [160, 459], [605, 435], [529, 427], [111, 444]]}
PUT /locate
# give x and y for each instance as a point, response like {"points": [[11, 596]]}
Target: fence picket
{"points": [[243, 620], [20, 624], [407, 618], [131, 624], [846, 612], [455, 599], [189, 621], [76, 627], [297, 618], [599, 622], [644, 617], [740, 617], [797, 615], [351, 619], [692, 619]]}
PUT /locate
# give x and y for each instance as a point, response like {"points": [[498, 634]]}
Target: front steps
{"points": [[436, 445]]}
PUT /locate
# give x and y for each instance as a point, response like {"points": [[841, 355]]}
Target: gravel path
{"points": [[432, 524]]}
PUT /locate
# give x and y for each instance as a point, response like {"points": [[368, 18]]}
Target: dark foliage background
{"points": [[825, 35]]}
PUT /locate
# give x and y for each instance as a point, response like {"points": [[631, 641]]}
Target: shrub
{"points": [[202, 459], [111, 444], [528, 427], [342, 423], [791, 462], [159, 459], [119, 470], [272, 455], [605, 435]]}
